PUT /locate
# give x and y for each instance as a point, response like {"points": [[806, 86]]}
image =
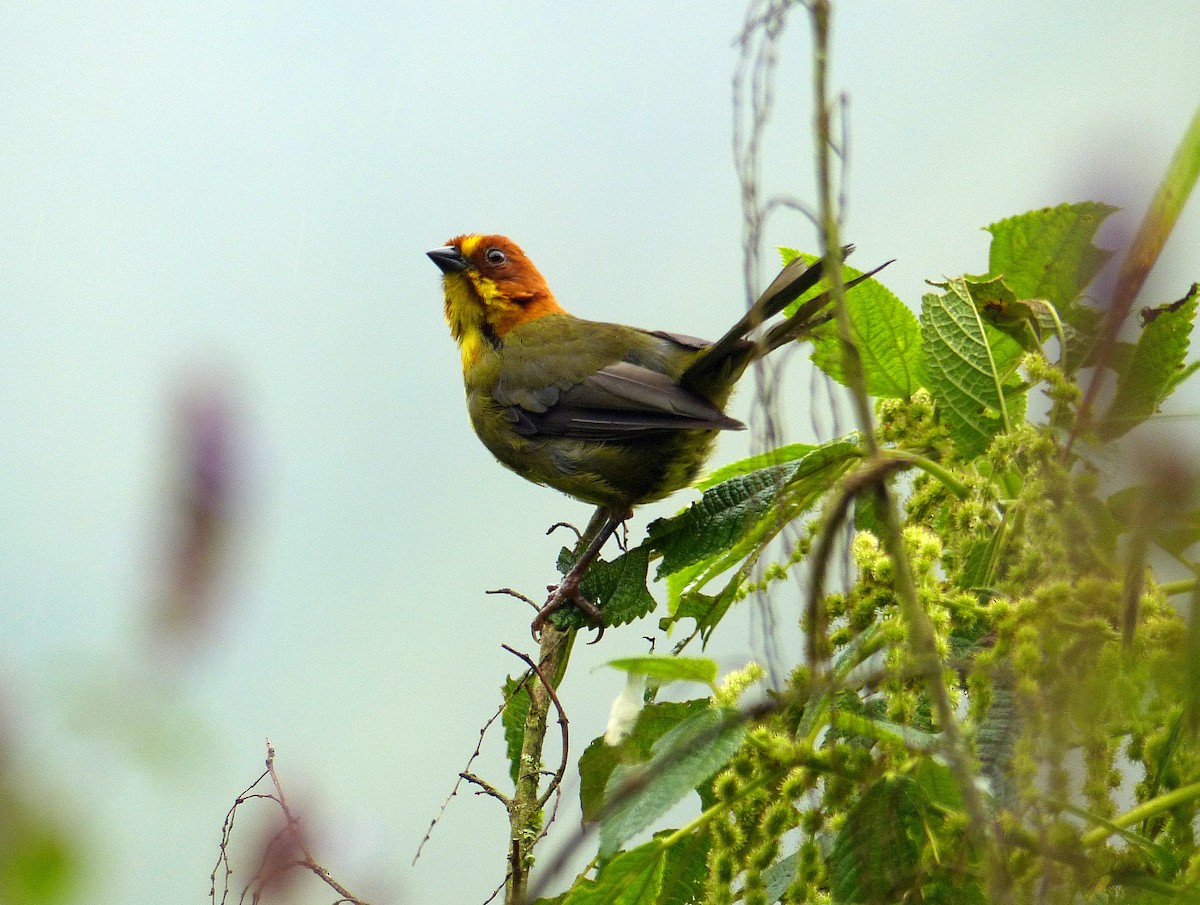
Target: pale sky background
{"points": [[248, 190]]}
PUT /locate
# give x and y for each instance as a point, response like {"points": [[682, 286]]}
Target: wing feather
{"points": [[608, 383], [622, 401]]}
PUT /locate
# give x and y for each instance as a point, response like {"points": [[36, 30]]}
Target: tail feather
{"points": [[797, 278], [808, 316], [792, 282]]}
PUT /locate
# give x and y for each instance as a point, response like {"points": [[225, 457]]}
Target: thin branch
{"points": [[485, 788], [872, 474], [525, 817], [568, 526], [293, 825], [558, 775], [227, 837], [465, 774], [274, 861], [517, 594]]}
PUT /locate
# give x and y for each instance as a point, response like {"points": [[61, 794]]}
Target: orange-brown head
{"points": [[490, 287]]}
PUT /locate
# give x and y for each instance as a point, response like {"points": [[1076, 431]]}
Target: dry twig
{"points": [[286, 849]]}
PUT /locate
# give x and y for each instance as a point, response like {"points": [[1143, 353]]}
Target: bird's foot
{"points": [[562, 594]]}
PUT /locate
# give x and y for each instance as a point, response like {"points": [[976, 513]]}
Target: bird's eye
{"points": [[495, 257]]}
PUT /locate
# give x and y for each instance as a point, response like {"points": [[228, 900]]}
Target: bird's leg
{"points": [[604, 522]]}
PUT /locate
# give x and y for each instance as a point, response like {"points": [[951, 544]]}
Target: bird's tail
{"points": [[797, 278], [810, 315]]}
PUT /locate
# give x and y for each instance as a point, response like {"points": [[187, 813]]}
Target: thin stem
{"points": [[525, 817], [931, 468], [921, 636], [1183, 586], [1144, 811], [1165, 207]]}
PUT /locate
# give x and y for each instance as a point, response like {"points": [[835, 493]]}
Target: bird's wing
{"points": [[621, 401]]}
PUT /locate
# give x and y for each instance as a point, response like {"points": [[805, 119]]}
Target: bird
{"points": [[612, 415]]}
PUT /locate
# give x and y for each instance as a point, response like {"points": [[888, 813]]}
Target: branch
{"points": [[465, 773], [276, 857], [557, 779], [525, 818]]}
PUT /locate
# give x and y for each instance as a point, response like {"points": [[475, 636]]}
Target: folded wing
{"points": [[622, 401]]}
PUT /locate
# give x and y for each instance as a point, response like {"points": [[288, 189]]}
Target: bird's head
{"points": [[490, 287]]}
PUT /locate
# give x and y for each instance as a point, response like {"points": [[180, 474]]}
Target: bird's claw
{"points": [[561, 595]]}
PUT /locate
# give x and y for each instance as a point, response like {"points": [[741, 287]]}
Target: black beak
{"points": [[448, 259]]}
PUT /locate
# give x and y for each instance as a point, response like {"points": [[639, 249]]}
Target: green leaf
{"points": [[938, 784], [877, 852], [888, 338], [651, 874], [778, 456], [728, 512], [617, 587], [733, 522], [1048, 253], [716, 521], [969, 364], [686, 870], [516, 693], [598, 761], [1022, 320], [682, 759], [1154, 369], [706, 609], [631, 878], [669, 669]]}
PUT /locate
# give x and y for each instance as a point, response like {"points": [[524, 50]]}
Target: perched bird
{"points": [[612, 415]]}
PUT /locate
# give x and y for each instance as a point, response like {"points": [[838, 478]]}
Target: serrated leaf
{"points": [[516, 693], [706, 609], [1048, 253], [651, 874], [686, 870], [634, 877], [599, 759], [669, 669], [877, 851], [1155, 367], [779, 456], [968, 364], [618, 588], [887, 336], [727, 512], [717, 520], [682, 759], [995, 740]]}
